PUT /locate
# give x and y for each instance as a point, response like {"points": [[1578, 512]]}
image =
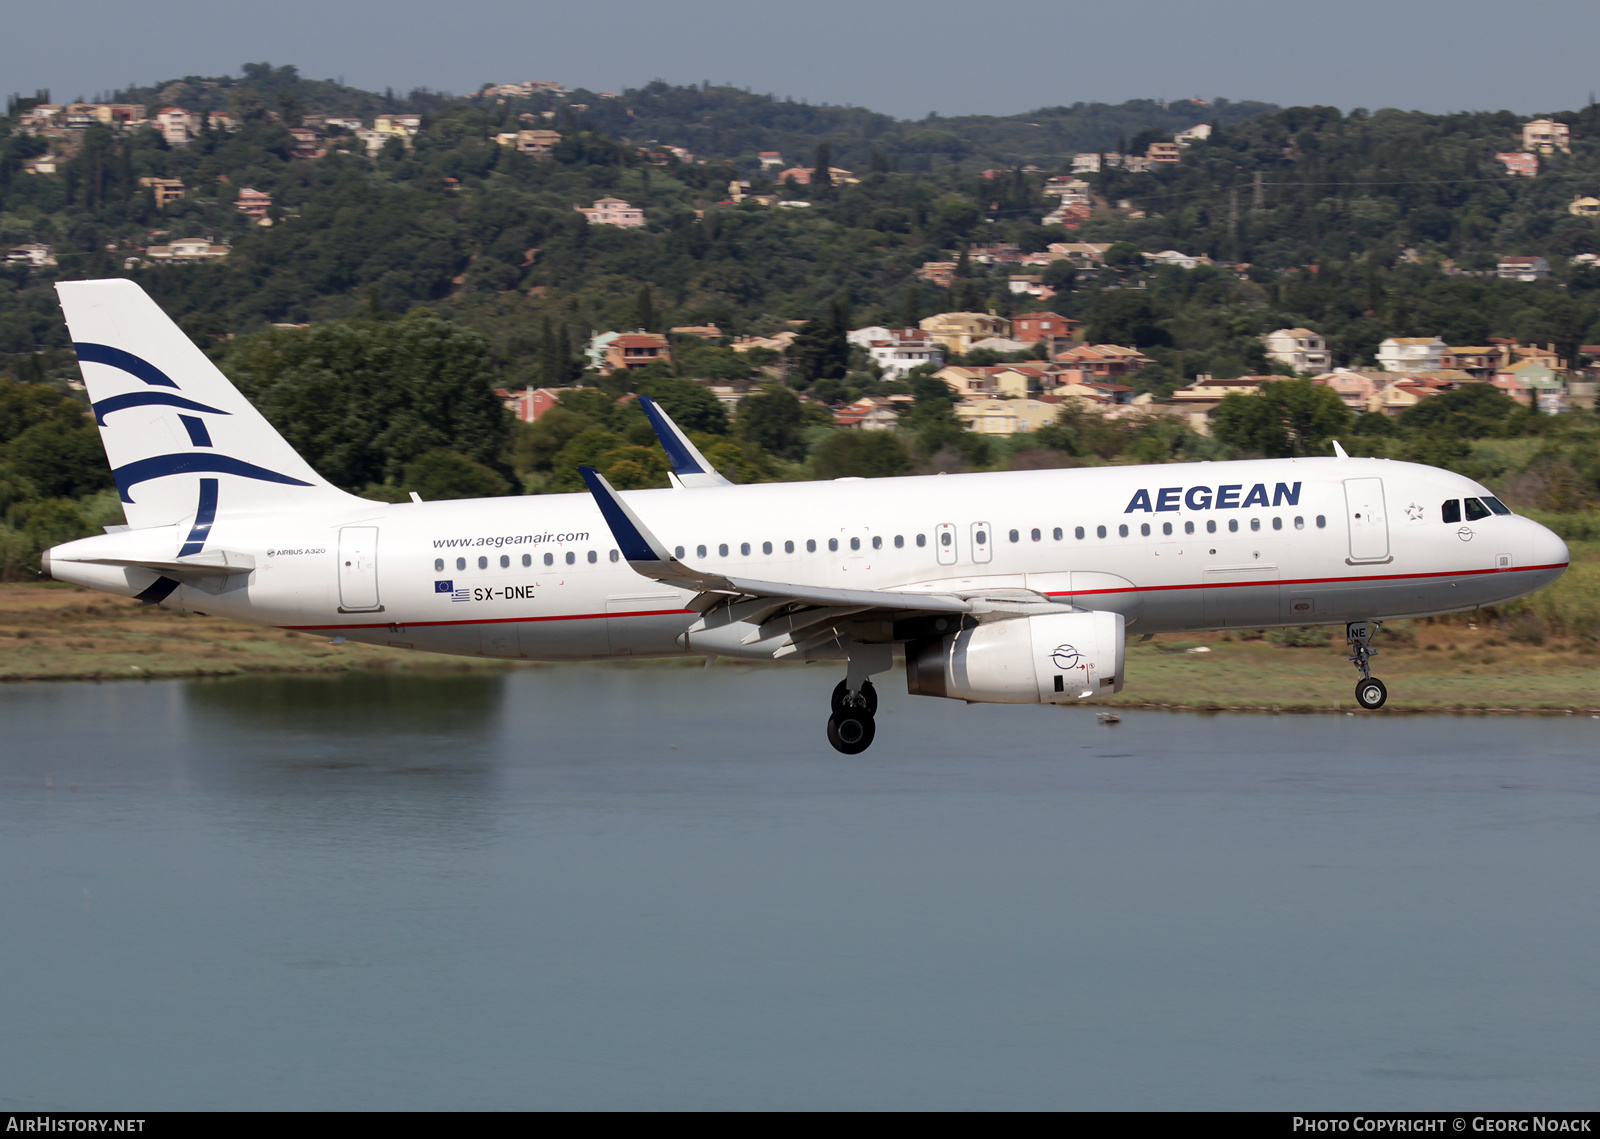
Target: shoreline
{"points": [[54, 632]]}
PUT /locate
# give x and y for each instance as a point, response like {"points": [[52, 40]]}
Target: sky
{"points": [[902, 58]]}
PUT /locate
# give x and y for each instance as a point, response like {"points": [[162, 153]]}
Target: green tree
{"points": [[445, 474], [774, 420], [363, 400], [691, 405], [1284, 419], [863, 454]]}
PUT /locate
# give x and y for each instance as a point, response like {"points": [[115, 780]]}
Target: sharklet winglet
{"points": [[689, 467]]}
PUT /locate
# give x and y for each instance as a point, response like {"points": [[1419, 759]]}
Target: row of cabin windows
{"points": [[945, 538], [1476, 510], [1189, 527]]}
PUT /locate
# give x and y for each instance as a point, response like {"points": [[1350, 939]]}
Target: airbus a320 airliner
{"points": [[1013, 587]]}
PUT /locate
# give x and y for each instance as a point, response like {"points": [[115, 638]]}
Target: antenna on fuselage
{"points": [[1338, 450]]}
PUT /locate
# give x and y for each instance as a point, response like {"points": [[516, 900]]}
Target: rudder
{"points": [[183, 443]]}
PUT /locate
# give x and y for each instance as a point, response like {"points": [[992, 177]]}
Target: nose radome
{"points": [[1549, 549]]}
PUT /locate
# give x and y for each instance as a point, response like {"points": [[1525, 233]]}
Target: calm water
{"points": [[658, 887]]}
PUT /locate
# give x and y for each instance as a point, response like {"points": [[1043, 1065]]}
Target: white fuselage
{"points": [[1173, 547]]}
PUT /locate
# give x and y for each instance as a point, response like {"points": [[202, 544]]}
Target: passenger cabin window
{"points": [[527, 560], [1299, 523], [1277, 523], [1014, 536], [1144, 529], [922, 540], [722, 550], [1099, 531], [1122, 531], [788, 547], [1322, 521], [1450, 511], [1166, 528], [677, 552], [944, 539], [1188, 527], [1476, 510], [766, 547], [833, 544], [572, 558], [744, 549], [461, 563], [593, 557], [505, 561], [615, 556], [1035, 535], [811, 545], [877, 542], [483, 563], [699, 551], [1056, 533], [1211, 525], [899, 541], [855, 543], [1233, 525], [438, 565], [549, 559], [1255, 524], [1077, 532]]}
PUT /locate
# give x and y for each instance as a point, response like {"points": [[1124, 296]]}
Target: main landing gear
{"points": [[1370, 691], [851, 727], [855, 700]]}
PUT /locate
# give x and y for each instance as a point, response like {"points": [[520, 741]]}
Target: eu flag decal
{"points": [[444, 586]]}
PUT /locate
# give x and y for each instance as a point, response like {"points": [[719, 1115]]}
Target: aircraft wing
{"points": [[804, 616], [689, 466]]}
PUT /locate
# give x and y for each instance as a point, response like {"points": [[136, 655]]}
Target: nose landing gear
{"points": [[1371, 693]]}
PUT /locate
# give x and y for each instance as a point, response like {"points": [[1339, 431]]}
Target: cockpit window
{"points": [[1496, 505], [1450, 511], [1476, 510]]}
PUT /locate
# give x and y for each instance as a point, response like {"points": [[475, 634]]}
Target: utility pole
{"points": [[1260, 202]]}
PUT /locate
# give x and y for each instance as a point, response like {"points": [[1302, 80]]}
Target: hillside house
{"points": [[872, 413], [1197, 133], [958, 330], [1546, 137], [1160, 153], [940, 273], [1031, 327], [1299, 348], [1584, 207], [1006, 416], [187, 250], [253, 203], [1479, 362], [1086, 163], [165, 189], [34, 253], [1520, 165], [177, 126], [631, 350], [534, 143], [769, 159], [1102, 361], [897, 350], [613, 211], [1522, 269], [1412, 354], [530, 403], [399, 126], [1355, 387]]}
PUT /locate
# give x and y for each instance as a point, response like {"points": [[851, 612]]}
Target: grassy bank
{"points": [[59, 632]]}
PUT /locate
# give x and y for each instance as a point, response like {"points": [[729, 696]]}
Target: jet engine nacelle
{"points": [[1053, 659]]}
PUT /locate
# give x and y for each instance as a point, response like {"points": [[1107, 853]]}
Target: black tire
{"points": [[867, 702], [851, 732], [1371, 694]]}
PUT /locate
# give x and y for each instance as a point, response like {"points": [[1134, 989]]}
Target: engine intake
{"points": [[1054, 659]]}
